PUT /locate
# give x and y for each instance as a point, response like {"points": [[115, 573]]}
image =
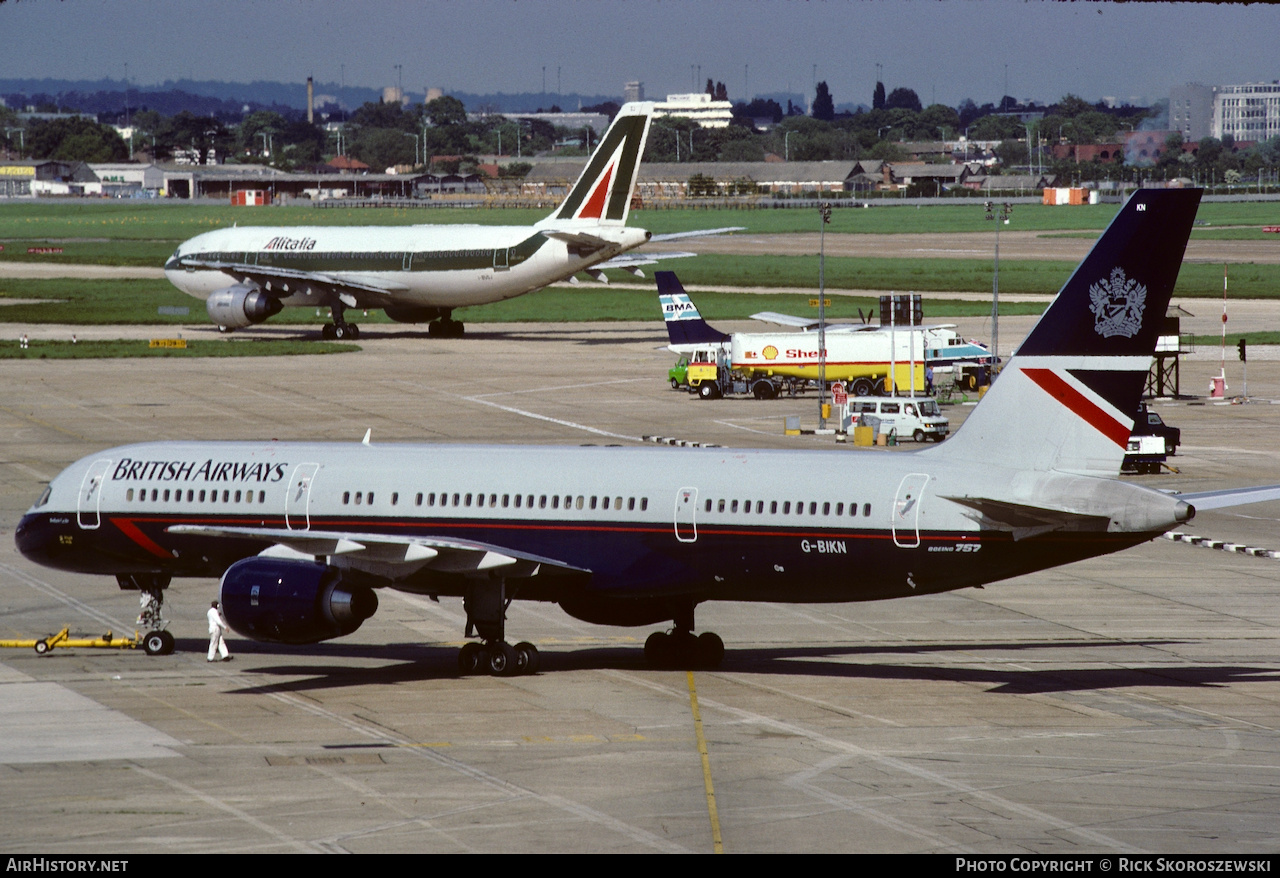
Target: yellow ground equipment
{"points": [[154, 643]]}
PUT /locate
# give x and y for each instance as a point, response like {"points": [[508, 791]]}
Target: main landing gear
{"points": [[681, 648], [486, 604], [446, 327], [339, 329]]}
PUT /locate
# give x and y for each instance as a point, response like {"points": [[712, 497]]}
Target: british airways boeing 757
{"points": [[419, 274], [303, 535]]}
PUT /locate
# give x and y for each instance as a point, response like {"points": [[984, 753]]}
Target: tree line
{"points": [[441, 135]]}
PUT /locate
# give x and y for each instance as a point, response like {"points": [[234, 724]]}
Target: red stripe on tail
{"points": [[594, 208], [1055, 386]]}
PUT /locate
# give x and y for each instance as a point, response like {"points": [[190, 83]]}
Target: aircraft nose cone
{"points": [[35, 538]]}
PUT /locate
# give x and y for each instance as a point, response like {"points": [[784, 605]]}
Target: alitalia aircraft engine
{"points": [[242, 305], [281, 601]]}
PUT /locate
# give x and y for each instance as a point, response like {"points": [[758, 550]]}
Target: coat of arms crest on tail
{"points": [[1117, 305]]}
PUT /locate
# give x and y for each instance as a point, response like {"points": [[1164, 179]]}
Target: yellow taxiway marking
{"points": [[716, 842]]}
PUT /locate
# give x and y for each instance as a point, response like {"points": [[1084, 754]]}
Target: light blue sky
{"points": [[946, 51]]}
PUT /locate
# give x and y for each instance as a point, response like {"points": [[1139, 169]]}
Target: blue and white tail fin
{"points": [[602, 195], [685, 327], [1066, 399]]}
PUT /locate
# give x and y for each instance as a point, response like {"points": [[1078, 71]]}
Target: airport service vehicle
{"points": [[1151, 443], [304, 534], [916, 416], [868, 359], [154, 643], [678, 374], [419, 274]]}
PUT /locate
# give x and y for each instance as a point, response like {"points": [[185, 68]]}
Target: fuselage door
{"points": [[686, 515], [906, 510], [297, 505], [502, 259], [89, 502]]}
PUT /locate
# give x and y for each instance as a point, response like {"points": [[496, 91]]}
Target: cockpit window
{"points": [[44, 498]]}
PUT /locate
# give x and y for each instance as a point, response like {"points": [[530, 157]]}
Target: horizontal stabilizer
{"points": [[696, 233], [631, 260], [580, 241], [1027, 521], [1231, 497]]}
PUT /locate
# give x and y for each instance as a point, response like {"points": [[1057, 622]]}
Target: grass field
{"points": [[168, 223], [144, 234]]}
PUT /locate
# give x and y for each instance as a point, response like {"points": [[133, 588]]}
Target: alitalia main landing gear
{"points": [[339, 329]]}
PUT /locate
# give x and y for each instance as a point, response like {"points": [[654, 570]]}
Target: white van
{"points": [[914, 416]]}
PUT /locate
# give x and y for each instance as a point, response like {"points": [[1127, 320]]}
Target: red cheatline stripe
{"points": [[1055, 386], [594, 208], [132, 532]]}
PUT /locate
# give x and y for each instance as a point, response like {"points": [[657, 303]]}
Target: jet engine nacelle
{"points": [[414, 313], [241, 305], [281, 601]]}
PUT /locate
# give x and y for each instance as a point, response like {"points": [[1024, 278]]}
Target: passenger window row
{"points": [[785, 507], [194, 496], [509, 501]]}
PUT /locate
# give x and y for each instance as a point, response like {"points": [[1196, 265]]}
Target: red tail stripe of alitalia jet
{"points": [[1054, 385], [594, 208]]}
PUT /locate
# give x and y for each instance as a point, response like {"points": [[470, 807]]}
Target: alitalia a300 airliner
{"points": [[419, 274], [303, 535]]}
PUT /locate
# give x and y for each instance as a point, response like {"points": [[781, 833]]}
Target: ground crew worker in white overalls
{"points": [[217, 627]]}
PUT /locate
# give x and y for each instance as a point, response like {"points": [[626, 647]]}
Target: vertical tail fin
{"points": [[685, 326], [602, 194], [1067, 397]]}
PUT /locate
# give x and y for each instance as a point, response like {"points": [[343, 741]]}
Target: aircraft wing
{"points": [[1231, 497], [696, 233], [392, 557], [809, 323], [357, 290]]}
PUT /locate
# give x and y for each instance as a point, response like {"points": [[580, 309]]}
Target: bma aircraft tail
{"points": [[602, 195], [1066, 400], [685, 326]]}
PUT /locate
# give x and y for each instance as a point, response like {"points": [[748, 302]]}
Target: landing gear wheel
{"points": [[154, 642], [502, 659], [446, 328], [918, 436], [326, 332], [471, 658], [710, 649], [42, 647], [353, 330], [656, 649], [526, 658]]}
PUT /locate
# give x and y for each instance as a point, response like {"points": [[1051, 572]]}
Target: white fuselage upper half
{"points": [[425, 265]]}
